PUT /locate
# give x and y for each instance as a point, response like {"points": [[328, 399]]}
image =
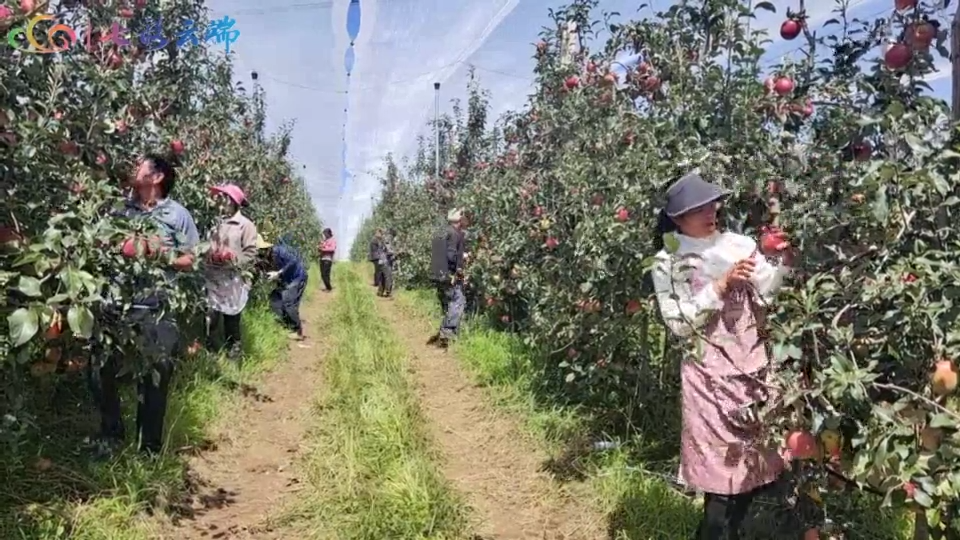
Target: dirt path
{"points": [[486, 457], [251, 474]]}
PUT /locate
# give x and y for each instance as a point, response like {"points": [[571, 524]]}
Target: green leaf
{"points": [[570, 377], [922, 498], [29, 286], [943, 420], [671, 243], [881, 212], [81, 321], [586, 287], [23, 324], [765, 6]]}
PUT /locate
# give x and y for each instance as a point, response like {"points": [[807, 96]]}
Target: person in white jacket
{"points": [[712, 288]]}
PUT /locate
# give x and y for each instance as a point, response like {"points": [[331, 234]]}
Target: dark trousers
{"points": [[232, 333], [385, 279], [376, 274], [724, 515], [158, 341], [325, 267], [452, 302], [285, 303]]}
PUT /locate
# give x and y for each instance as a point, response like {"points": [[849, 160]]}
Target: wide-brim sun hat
{"points": [[233, 191], [454, 215], [691, 192], [262, 243]]}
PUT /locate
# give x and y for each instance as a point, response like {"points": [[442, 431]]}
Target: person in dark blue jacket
{"points": [[290, 274]]}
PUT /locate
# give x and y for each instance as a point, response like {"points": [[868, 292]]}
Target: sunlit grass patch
{"points": [[372, 471]]}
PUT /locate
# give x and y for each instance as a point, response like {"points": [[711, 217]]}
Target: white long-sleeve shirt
{"points": [[695, 266]]}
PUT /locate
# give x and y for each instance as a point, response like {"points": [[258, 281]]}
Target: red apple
{"points": [[651, 83], [903, 5], [910, 489], [783, 86], [769, 84], [591, 67], [802, 445], [9, 235], [505, 319], [69, 148], [862, 151], [633, 306], [27, 6], [944, 378], [572, 353], [552, 242], [537, 211], [897, 56], [773, 242], [114, 60], [542, 47], [176, 146], [126, 13], [58, 116], [790, 29], [121, 127], [909, 278], [596, 200], [102, 159], [140, 4], [130, 245], [6, 15], [609, 79], [491, 302], [571, 82], [623, 215], [921, 35]]}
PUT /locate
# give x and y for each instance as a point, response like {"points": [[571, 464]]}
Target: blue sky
{"points": [[299, 49]]}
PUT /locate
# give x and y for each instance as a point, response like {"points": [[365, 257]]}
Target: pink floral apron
{"points": [[722, 449]]}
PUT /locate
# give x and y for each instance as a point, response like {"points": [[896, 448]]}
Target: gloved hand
{"points": [[273, 276]]}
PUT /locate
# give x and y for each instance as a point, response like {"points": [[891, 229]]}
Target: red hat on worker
{"points": [[233, 191]]}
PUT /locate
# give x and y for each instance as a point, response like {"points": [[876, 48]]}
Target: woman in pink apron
{"points": [[233, 248], [711, 290]]}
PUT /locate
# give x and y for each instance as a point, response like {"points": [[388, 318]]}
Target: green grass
{"points": [[82, 500], [371, 468], [639, 504]]}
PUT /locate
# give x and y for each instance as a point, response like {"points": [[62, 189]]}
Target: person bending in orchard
{"points": [[233, 248], [291, 278], [149, 315], [447, 271], [711, 292]]}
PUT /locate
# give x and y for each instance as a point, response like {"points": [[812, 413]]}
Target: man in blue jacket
{"points": [[291, 278]]}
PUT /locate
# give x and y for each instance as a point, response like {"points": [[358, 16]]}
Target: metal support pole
{"points": [[436, 124]]}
